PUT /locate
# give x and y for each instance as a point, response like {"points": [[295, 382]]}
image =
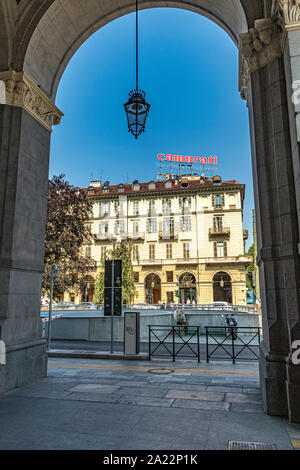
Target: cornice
{"points": [[22, 92], [166, 194]]}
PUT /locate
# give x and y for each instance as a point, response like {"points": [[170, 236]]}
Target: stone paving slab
{"points": [[94, 397], [193, 395], [243, 398], [145, 401], [94, 388], [201, 405], [247, 407]]}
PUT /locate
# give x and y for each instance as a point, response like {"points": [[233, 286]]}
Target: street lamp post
{"points": [[53, 274]]}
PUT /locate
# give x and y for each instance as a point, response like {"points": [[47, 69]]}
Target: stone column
{"points": [[26, 119], [263, 83], [287, 13]]}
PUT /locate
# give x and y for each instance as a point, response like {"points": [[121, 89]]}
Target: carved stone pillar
{"points": [[287, 14], [263, 83], [26, 119]]}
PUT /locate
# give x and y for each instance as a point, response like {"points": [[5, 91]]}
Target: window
{"points": [[218, 223], [220, 249], [168, 184], [170, 297], [136, 276], [152, 185], [121, 187], [103, 253], [168, 225], [185, 203], [103, 209], [136, 208], [186, 250], [103, 228], [88, 251], [186, 224], [151, 207], [135, 253], [151, 226], [135, 227], [136, 187], [166, 206], [120, 227], [170, 276], [218, 201], [169, 251], [119, 206], [151, 252]]}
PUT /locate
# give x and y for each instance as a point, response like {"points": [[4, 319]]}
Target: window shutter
{"points": [[214, 201], [215, 250], [223, 200], [225, 249]]}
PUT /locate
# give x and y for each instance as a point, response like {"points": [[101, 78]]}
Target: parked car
{"points": [[86, 306], [219, 303], [64, 305]]}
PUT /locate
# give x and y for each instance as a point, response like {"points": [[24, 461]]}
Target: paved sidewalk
{"points": [[102, 404]]}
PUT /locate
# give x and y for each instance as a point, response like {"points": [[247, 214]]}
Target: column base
{"points": [[293, 392], [24, 364], [273, 378]]}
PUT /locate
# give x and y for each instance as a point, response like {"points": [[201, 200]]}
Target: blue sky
{"points": [[189, 70]]}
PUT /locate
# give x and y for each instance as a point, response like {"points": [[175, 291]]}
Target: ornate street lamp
{"points": [[137, 108]]}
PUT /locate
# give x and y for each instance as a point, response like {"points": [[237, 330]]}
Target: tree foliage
{"points": [[67, 232], [250, 269]]}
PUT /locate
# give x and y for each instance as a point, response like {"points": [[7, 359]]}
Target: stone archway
{"points": [[152, 289], [222, 287], [188, 288], [38, 38]]}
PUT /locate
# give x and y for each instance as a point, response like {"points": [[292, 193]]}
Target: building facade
{"points": [[187, 238]]}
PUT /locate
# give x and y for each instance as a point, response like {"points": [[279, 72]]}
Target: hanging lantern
{"points": [[137, 108]]}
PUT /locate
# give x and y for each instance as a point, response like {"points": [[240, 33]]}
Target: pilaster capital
{"points": [[287, 13], [258, 47], [22, 91]]}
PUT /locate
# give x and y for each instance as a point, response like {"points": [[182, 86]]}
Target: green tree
{"points": [[67, 232], [99, 289], [250, 269], [122, 251]]}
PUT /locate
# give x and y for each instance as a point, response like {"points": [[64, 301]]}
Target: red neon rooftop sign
{"points": [[212, 160]]}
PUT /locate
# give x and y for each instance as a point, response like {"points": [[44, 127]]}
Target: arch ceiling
{"points": [[51, 31]]}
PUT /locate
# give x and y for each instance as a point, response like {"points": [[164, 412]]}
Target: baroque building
{"points": [[187, 237]]}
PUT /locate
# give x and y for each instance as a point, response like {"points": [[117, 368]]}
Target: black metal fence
{"points": [[222, 342], [233, 342], [174, 341]]}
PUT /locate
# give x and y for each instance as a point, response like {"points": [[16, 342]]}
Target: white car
{"points": [[219, 303]]}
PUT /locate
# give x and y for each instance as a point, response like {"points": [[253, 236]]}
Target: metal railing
{"points": [[232, 345], [174, 341]]}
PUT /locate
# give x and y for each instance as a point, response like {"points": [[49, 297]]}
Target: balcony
{"points": [[187, 261], [217, 231], [102, 236], [136, 236], [168, 235], [228, 260], [153, 262]]}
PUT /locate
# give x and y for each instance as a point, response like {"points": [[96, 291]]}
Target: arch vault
{"points": [[38, 39]]}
